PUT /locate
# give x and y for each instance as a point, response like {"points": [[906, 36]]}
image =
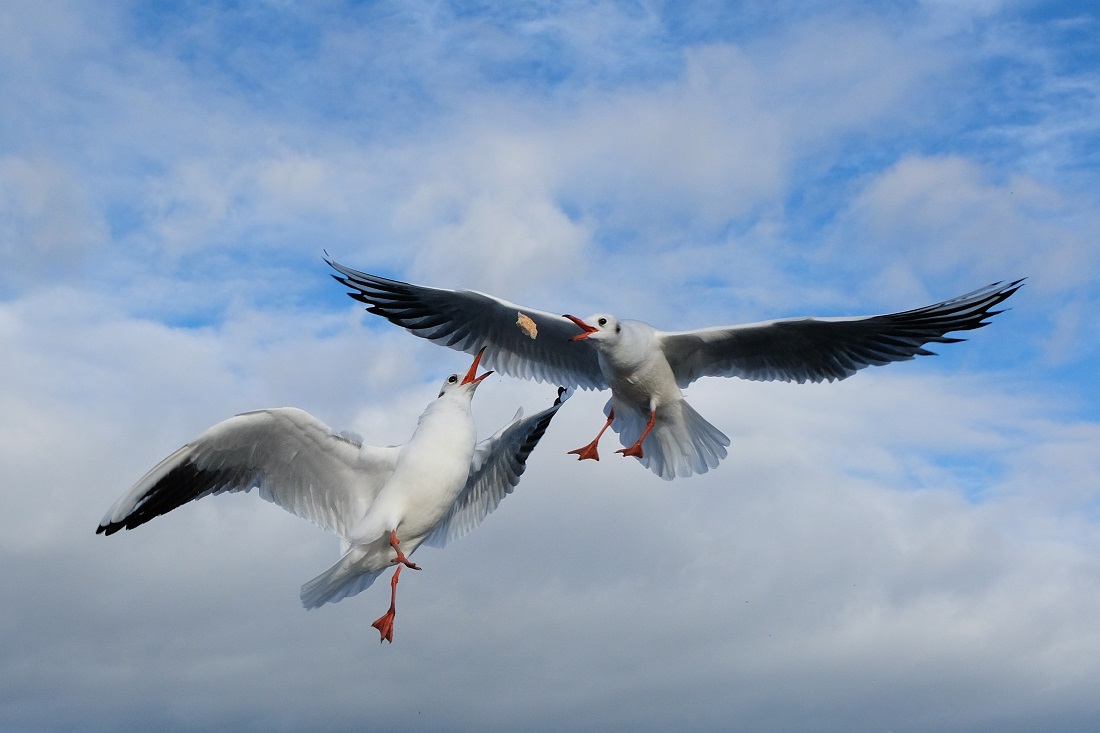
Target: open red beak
{"points": [[588, 330], [470, 377]]}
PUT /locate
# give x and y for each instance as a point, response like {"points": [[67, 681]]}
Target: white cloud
{"points": [[943, 211], [803, 587], [911, 549], [525, 181], [47, 219]]}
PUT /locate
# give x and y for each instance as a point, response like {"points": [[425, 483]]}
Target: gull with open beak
{"points": [[383, 503], [647, 368]]}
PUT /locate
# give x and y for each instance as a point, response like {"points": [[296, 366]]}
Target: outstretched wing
{"points": [[819, 349], [498, 463], [295, 460], [519, 341]]}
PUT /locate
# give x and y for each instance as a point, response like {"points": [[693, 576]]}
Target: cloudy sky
{"points": [[916, 548]]}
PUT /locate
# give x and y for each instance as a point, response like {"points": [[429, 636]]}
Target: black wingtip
{"points": [[109, 529], [183, 483], [538, 430], [341, 277]]}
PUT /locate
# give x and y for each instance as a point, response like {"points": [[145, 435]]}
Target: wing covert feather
{"points": [[295, 461], [466, 320], [820, 349]]}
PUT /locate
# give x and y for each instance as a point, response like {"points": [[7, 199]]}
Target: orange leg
{"points": [[385, 623], [394, 542], [589, 451], [636, 449]]}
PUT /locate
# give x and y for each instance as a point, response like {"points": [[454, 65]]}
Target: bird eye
{"points": [[602, 321], [453, 378]]}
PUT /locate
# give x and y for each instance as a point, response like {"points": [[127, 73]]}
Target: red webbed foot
{"points": [[385, 626], [588, 452], [634, 450]]}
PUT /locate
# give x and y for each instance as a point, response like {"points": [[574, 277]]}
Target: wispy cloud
{"points": [[913, 548]]}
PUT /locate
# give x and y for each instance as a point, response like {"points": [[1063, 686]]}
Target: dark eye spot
{"points": [[602, 321], [453, 378]]}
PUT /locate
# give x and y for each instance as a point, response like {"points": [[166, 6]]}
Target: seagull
{"points": [[383, 503], [646, 368]]}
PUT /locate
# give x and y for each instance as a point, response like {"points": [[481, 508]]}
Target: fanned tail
{"points": [[681, 442], [345, 578]]}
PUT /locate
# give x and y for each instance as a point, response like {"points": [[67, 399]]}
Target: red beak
{"points": [[470, 377], [588, 330]]}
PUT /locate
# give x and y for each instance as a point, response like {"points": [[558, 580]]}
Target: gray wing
{"points": [[466, 320], [498, 463], [295, 460], [818, 349]]}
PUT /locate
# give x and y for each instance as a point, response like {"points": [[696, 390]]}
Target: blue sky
{"points": [[915, 548]]}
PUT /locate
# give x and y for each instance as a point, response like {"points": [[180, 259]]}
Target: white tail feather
{"points": [[681, 442], [344, 579]]}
